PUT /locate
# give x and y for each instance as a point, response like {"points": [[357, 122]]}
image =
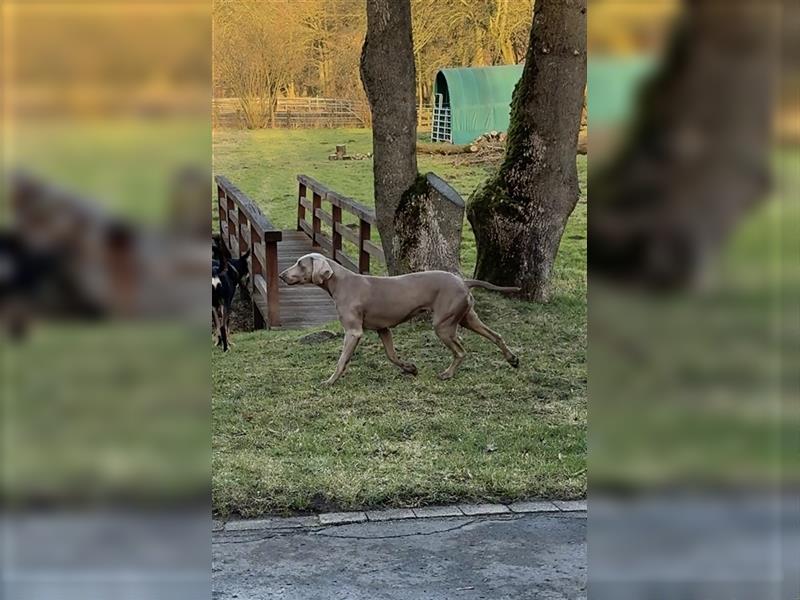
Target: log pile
{"points": [[485, 149]]}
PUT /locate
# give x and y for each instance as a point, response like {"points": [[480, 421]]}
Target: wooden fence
{"points": [[244, 227], [309, 113], [298, 113], [359, 233]]}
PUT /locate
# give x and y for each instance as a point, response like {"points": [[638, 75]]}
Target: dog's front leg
{"points": [[351, 339]]}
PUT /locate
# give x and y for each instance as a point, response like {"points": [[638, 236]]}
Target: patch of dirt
{"points": [[318, 337], [242, 312]]}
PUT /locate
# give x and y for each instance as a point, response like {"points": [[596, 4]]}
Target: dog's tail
{"points": [[471, 283]]}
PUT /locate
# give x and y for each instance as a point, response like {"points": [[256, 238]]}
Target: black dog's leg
{"points": [[223, 327], [215, 316]]}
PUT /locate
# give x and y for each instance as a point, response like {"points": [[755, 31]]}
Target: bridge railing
{"points": [[243, 226], [311, 215]]}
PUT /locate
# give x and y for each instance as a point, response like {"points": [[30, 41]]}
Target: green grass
{"points": [[128, 165], [282, 443]]}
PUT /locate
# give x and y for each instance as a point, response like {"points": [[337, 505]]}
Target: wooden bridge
{"points": [[344, 234]]}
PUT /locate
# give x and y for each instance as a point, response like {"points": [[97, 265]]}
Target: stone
{"points": [[483, 509], [390, 514], [342, 518]]}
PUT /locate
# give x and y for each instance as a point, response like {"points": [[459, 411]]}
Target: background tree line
{"points": [[264, 50]]}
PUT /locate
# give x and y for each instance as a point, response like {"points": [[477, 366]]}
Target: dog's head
{"points": [[240, 267], [311, 268]]}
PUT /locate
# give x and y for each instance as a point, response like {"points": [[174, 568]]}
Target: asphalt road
{"points": [[540, 556]]}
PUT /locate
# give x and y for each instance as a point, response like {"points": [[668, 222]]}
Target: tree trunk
{"points": [[428, 225], [697, 157], [388, 75], [519, 214]]}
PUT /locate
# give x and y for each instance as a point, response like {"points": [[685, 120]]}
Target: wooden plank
{"points": [[259, 252], [324, 217], [354, 207], [346, 261], [316, 225], [254, 214], [260, 285], [305, 226], [305, 203], [347, 233], [313, 184], [324, 242], [273, 294], [363, 255], [374, 250]]}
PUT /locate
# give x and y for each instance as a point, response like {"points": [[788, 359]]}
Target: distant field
{"points": [[378, 438]]}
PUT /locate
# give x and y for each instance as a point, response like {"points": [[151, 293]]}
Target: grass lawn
{"points": [[282, 443]]}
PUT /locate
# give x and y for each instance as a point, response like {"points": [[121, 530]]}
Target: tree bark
{"points": [[389, 78], [519, 214], [428, 226], [697, 157]]}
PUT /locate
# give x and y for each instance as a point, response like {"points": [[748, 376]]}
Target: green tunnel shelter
{"points": [[470, 101]]}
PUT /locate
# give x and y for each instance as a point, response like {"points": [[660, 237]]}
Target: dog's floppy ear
{"points": [[321, 271]]}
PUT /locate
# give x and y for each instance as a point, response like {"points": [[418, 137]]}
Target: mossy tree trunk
{"points": [[697, 157], [519, 214], [389, 78]]}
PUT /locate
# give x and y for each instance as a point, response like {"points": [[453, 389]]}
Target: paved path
{"points": [[493, 557]]}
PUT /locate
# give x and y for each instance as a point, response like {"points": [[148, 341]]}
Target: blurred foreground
{"points": [[104, 248], [694, 331]]}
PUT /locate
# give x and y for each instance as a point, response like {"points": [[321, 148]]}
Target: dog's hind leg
{"points": [[227, 322], [472, 321], [388, 345], [448, 333], [215, 321]]}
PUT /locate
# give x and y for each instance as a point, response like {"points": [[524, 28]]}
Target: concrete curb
{"points": [[395, 514]]}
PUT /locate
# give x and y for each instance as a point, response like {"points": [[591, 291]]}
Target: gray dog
{"points": [[379, 303]]}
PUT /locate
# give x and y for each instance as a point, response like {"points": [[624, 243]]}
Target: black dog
{"points": [[226, 275]]}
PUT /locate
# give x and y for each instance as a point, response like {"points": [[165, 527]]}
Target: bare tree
{"points": [[519, 214], [253, 56], [389, 77]]}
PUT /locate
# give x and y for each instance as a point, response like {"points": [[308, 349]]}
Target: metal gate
{"points": [[441, 130]]}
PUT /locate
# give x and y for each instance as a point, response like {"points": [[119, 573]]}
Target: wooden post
{"points": [[273, 299], [363, 256], [257, 269], [301, 210], [230, 211], [221, 210], [241, 224], [336, 237], [316, 224]]}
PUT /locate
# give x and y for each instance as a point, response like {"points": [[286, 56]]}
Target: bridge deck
{"points": [[301, 305]]}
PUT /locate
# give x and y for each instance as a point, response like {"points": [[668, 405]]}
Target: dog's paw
{"points": [[513, 361], [445, 376], [326, 384], [410, 368]]}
